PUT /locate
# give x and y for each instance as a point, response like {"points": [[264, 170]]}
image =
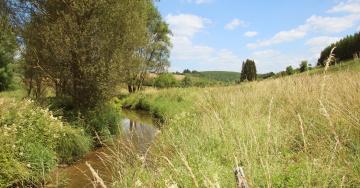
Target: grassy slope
{"points": [[223, 76], [288, 132], [345, 66]]}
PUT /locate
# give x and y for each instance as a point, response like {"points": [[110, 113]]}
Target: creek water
{"points": [[138, 129]]}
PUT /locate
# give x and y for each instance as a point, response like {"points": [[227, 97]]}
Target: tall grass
{"points": [[301, 131]]}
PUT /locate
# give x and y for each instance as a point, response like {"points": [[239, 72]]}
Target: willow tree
{"points": [[154, 56], [82, 48]]}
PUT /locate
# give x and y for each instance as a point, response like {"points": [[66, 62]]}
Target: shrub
{"points": [[187, 82], [289, 70], [102, 122], [33, 141], [165, 81], [304, 66]]}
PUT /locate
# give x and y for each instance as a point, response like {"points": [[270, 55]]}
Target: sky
{"points": [[221, 34]]}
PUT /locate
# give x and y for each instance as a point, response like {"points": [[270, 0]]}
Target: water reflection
{"points": [[138, 131]]}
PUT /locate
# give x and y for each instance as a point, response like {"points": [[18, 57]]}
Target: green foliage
{"points": [[33, 141], [155, 53], [187, 82], [304, 66], [266, 75], [102, 122], [345, 49], [7, 52], [165, 81], [164, 105], [83, 50], [248, 71], [289, 70], [186, 71]]}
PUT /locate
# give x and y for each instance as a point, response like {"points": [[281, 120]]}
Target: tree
{"points": [[345, 49], [165, 80], [154, 56], [248, 71], [289, 70], [194, 72], [304, 66], [82, 48], [7, 52], [186, 71]]}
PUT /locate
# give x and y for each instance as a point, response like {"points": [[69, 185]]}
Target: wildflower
{"points": [[138, 183]]}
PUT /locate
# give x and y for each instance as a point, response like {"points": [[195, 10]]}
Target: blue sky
{"points": [[221, 34]]}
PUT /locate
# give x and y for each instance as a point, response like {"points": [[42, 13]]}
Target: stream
{"points": [[138, 130]]}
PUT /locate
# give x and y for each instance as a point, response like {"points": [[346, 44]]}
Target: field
{"points": [[223, 76], [299, 131]]}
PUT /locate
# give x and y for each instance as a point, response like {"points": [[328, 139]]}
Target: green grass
{"points": [[33, 142], [299, 131], [223, 76], [162, 104], [351, 65]]}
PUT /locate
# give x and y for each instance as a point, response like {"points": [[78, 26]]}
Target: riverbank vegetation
{"points": [[299, 131], [64, 66], [33, 141], [66, 60]]}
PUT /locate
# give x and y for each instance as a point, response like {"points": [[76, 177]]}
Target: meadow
{"points": [[296, 131]]}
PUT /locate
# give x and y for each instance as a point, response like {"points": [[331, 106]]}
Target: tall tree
{"points": [[248, 71], [154, 56], [7, 51], [83, 48]]}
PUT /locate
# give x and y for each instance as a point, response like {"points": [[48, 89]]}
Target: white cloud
{"points": [[186, 24], [317, 44], [185, 27], [280, 37], [331, 24], [273, 60], [350, 6], [199, 1], [321, 41], [251, 34], [317, 24], [358, 28], [233, 24]]}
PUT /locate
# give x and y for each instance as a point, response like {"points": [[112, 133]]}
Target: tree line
{"points": [[83, 49], [346, 49]]}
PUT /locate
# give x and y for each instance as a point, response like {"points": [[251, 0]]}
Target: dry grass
{"points": [[299, 131]]}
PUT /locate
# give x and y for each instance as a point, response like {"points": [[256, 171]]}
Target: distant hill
{"points": [[223, 76]]}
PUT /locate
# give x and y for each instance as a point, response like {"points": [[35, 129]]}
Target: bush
{"points": [[102, 122], [165, 81], [187, 82], [33, 141], [289, 70], [304, 66]]}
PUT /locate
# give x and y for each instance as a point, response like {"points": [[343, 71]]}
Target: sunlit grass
{"points": [[287, 132]]}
